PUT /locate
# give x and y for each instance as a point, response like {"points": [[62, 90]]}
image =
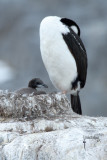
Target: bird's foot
{"points": [[63, 92]]}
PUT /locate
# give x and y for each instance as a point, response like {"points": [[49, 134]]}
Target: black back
{"points": [[78, 51]]}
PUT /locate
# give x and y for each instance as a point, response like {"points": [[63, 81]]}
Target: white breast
{"points": [[58, 60]]}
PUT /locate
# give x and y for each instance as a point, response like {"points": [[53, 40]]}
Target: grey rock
{"points": [[32, 106], [53, 133]]}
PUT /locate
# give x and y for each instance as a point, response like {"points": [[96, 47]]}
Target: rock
{"points": [[24, 106], [44, 127]]}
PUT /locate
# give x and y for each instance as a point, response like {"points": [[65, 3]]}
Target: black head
{"points": [[70, 23], [36, 83]]}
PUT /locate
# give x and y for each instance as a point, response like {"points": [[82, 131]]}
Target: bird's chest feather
{"points": [[59, 62]]}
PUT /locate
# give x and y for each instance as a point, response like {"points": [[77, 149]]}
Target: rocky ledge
{"points": [[43, 127]]}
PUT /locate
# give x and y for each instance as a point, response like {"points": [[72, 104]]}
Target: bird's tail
{"points": [[76, 104]]}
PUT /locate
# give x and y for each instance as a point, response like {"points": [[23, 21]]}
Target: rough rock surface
{"points": [[44, 128]]}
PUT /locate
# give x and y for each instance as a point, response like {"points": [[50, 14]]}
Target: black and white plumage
{"points": [[32, 87], [64, 56]]}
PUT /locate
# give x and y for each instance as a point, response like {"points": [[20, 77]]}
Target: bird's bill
{"points": [[42, 86]]}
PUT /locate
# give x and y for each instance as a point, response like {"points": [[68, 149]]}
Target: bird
{"points": [[64, 56], [32, 87]]}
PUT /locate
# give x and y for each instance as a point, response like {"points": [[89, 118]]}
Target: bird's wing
{"points": [[78, 51]]}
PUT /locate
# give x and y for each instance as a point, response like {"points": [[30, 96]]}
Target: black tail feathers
{"points": [[76, 104]]}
